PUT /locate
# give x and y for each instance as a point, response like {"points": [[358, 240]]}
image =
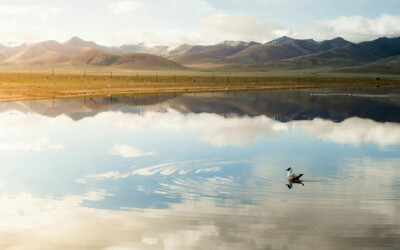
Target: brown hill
{"points": [[94, 57], [242, 53], [143, 48], [180, 49], [48, 52], [78, 42], [210, 53], [6, 51], [347, 56], [283, 48], [141, 60], [131, 60], [123, 49], [390, 65]]}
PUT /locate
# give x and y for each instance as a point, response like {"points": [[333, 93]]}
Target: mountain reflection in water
{"points": [[202, 171]]}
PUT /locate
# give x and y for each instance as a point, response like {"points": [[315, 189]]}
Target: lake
{"points": [[203, 171]]}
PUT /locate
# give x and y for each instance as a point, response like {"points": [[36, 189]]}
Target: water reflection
{"points": [[290, 183], [200, 171], [379, 105]]}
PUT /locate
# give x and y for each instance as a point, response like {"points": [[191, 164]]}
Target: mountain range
{"points": [[337, 55]]}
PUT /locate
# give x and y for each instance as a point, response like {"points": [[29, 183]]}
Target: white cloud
{"points": [[218, 27], [40, 12], [127, 151], [240, 131], [18, 34], [212, 29], [80, 180], [207, 170], [352, 131], [162, 169], [124, 7], [354, 28], [170, 22], [215, 129], [244, 130], [170, 37], [244, 27], [220, 131], [108, 175]]}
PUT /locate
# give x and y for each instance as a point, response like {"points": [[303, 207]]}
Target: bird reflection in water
{"points": [[293, 178], [290, 183]]}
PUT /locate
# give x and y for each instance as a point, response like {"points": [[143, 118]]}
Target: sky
{"points": [[174, 22]]}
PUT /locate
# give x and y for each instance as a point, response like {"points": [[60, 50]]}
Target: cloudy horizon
{"points": [[175, 22]]}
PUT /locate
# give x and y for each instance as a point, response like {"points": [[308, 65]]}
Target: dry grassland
{"points": [[31, 86]]}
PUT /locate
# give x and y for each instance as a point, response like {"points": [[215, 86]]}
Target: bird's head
{"points": [[288, 169]]}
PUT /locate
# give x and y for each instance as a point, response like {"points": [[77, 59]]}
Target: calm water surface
{"points": [[202, 171]]}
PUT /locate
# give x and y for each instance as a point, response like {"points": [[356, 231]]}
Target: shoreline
{"points": [[26, 86]]}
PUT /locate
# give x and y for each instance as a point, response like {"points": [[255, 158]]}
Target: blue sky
{"points": [[173, 22]]}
